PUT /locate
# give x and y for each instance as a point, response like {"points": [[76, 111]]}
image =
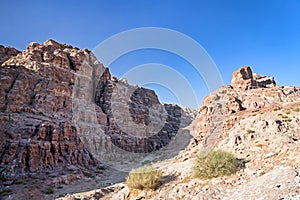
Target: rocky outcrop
{"points": [[244, 79], [6, 53], [248, 94], [60, 107]]}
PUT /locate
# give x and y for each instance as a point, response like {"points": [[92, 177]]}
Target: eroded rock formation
{"points": [[259, 125], [61, 107], [37, 133], [243, 78], [6, 53], [248, 93]]}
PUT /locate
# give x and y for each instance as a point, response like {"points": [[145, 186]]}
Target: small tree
{"points": [[144, 178], [214, 164]]}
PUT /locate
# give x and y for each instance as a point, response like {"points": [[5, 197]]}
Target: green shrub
{"points": [[214, 164], [49, 191], [144, 178], [6, 192], [250, 131], [297, 109], [289, 120], [284, 117]]}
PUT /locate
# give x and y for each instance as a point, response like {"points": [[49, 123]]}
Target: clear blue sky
{"points": [[264, 34]]}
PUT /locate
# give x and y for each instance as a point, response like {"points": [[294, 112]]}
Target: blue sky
{"points": [[264, 34]]}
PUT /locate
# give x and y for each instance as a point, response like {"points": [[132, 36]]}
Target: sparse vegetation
{"points": [[49, 191], [260, 145], [289, 120], [19, 182], [144, 178], [297, 109], [288, 112], [284, 117], [100, 169], [186, 179], [277, 108], [145, 162], [215, 164], [5, 192], [88, 174], [250, 131]]}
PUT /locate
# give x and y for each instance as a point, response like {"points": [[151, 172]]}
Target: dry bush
{"points": [[144, 178], [215, 164]]}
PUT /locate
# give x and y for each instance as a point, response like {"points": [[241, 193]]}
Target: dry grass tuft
{"points": [[144, 178]]}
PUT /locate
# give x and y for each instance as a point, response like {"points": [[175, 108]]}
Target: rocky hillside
{"points": [[255, 119], [249, 94], [67, 125], [63, 117]]}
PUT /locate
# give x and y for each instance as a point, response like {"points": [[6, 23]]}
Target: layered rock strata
{"points": [[59, 106]]}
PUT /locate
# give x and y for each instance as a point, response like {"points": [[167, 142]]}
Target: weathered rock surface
{"points": [[37, 133], [243, 78], [259, 122], [248, 95], [256, 120], [60, 108], [6, 53]]}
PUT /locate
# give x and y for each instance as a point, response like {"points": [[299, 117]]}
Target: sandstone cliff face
{"points": [[129, 122], [36, 131], [60, 107]]}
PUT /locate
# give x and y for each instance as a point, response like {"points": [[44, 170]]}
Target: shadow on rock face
{"points": [[127, 126], [156, 140]]}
